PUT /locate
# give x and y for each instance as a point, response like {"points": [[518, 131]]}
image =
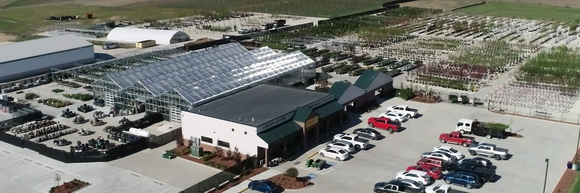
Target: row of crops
{"points": [[558, 66], [355, 66]]}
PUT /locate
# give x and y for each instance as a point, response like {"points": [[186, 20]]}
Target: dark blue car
{"points": [[467, 179], [263, 186]]}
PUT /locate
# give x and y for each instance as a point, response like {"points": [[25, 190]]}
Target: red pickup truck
{"points": [[456, 138], [432, 162], [384, 123]]}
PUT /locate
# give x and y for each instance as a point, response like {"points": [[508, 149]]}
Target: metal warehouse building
{"points": [[36, 57], [164, 37], [187, 81], [267, 120]]}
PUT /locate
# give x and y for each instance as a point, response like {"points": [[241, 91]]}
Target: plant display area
{"points": [[69, 187], [289, 180], [54, 102], [549, 81], [79, 96]]}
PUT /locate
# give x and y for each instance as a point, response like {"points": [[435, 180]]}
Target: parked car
{"points": [[265, 186], [485, 174], [405, 110], [467, 179], [354, 139], [442, 189], [449, 150], [415, 175], [468, 126], [433, 162], [394, 115], [384, 123], [399, 186], [479, 161], [489, 150], [456, 138], [343, 145], [335, 153], [434, 172], [110, 45], [439, 155], [367, 133]]}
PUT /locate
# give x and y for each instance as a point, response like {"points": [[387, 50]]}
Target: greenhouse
{"points": [[187, 81]]}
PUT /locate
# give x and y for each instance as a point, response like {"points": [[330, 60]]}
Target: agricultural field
{"points": [[531, 10]]}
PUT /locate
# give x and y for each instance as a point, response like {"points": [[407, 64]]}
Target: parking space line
{"points": [[243, 190], [310, 156]]}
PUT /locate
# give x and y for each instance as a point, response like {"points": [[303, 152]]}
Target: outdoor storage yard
{"points": [[522, 172]]}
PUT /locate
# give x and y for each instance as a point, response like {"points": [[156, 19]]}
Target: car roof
{"points": [[421, 173], [488, 144], [401, 105], [383, 118], [342, 141], [334, 148], [443, 147], [467, 173], [445, 187]]}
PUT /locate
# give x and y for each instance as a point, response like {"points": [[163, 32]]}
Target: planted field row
{"points": [[560, 66], [497, 55]]}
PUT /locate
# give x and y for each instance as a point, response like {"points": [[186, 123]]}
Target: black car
{"points": [[367, 133], [485, 174], [398, 186], [62, 142], [481, 162]]}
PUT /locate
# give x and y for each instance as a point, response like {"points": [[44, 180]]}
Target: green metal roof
{"points": [[338, 89], [302, 114], [280, 132], [366, 79], [328, 109]]}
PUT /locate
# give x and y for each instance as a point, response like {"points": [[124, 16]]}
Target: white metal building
{"points": [[163, 37], [266, 120], [36, 57]]}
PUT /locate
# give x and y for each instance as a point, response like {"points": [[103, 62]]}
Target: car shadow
{"points": [[401, 129], [418, 116], [508, 157], [369, 147], [495, 178], [279, 190]]}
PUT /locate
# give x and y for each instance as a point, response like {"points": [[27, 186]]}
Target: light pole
{"points": [[546, 176]]}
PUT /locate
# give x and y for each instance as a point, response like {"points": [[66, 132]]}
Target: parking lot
{"points": [[523, 172]]}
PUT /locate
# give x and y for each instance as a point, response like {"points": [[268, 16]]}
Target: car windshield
{"points": [[434, 169], [342, 151], [453, 150], [416, 184], [268, 183]]}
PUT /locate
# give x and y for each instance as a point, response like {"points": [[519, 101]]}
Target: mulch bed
{"points": [[251, 174], [69, 187], [289, 183], [420, 97], [566, 181]]}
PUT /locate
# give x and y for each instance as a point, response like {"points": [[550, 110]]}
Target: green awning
{"points": [[302, 114], [280, 132], [329, 109]]}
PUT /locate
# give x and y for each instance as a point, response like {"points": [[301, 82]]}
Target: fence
{"points": [[220, 179], [507, 108], [158, 141]]}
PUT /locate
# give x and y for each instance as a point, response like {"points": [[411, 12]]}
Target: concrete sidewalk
{"points": [[244, 185]]}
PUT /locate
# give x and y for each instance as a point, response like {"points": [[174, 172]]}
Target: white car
{"points": [[439, 155], [348, 146], [450, 151], [394, 115], [335, 153], [415, 175], [405, 110], [439, 189]]}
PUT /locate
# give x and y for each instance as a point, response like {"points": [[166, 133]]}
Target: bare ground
{"points": [[6, 38], [452, 4]]}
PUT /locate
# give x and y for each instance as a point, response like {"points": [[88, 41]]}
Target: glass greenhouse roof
{"points": [[205, 74]]}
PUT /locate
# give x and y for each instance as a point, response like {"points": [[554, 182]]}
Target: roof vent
{"points": [[252, 119], [246, 120], [240, 119]]}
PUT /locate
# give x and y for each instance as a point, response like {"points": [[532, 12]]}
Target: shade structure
{"points": [[164, 37]]}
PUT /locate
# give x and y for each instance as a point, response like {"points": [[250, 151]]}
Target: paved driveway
{"points": [[523, 172]]}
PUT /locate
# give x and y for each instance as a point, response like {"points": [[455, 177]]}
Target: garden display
{"points": [[79, 96], [85, 132], [85, 108], [548, 82], [99, 114], [318, 164], [68, 113], [54, 102], [68, 187], [97, 122], [31, 126], [54, 134], [80, 120]]}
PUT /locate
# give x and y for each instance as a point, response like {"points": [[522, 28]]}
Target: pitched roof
{"points": [[302, 114], [328, 109], [338, 88], [39, 47], [279, 132], [371, 79]]}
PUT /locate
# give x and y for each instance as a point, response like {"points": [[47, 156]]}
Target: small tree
{"points": [[57, 179], [218, 151], [178, 140], [229, 154], [291, 172], [247, 156], [237, 154], [189, 143]]}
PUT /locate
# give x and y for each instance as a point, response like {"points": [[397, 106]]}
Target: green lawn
{"points": [[525, 11], [319, 8], [576, 186], [19, 3]]}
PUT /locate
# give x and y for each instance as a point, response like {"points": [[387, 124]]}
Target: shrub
{"points": [[229, 154], [291, 172], [244, 170], [57, 90], [79, 96], [185, 151], [237, 154], [218, 151], [207, 156], [30, 96]]}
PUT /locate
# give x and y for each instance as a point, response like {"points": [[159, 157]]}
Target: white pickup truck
{"points": [[405, 110], [354, 139]]}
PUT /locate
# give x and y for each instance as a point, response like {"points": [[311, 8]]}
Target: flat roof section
{"points": [[262, 103], [39, 47]]}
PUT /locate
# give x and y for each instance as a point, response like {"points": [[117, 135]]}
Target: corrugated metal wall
{"points": [[43, 64]]}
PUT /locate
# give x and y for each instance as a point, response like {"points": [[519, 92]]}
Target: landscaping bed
{"points": [[69, 187], [289, 183], [30, 96], [235, 182], [79, 96], [54, 102]]}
